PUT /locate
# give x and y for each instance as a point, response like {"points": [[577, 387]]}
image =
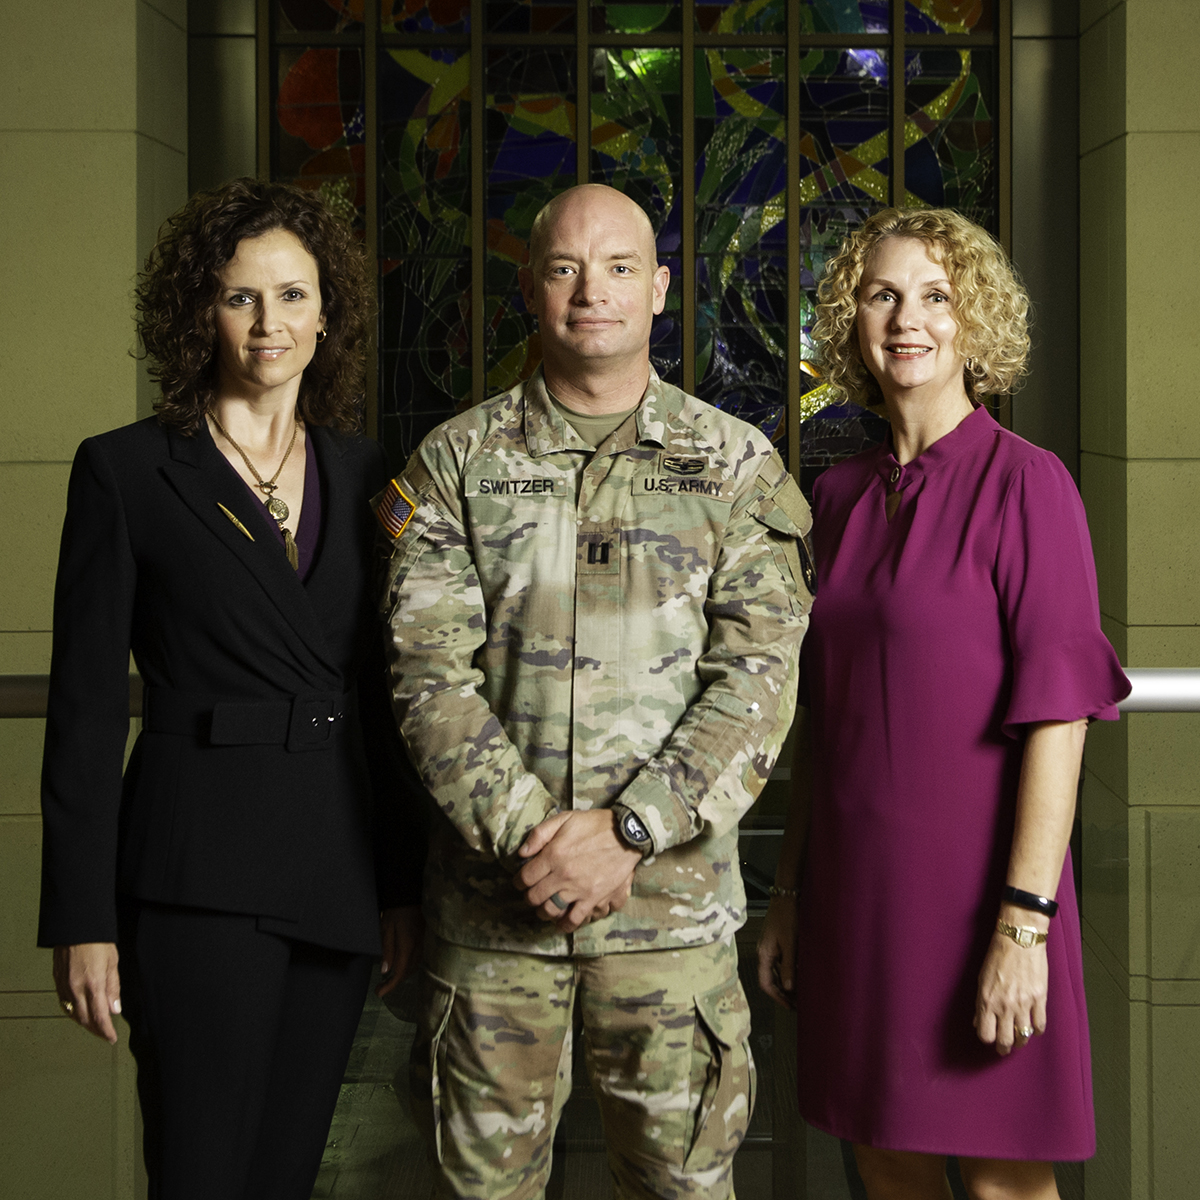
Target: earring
{"points": [[320, 336]]}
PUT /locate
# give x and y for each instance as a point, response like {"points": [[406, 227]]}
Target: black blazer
{"points": [[246, 791]]}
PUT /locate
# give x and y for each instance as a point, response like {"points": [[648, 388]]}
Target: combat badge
{"points": [[394, 510], [677, 464]]}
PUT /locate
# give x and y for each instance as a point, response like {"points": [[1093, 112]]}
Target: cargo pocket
{"points": [[427, 1064], [724, 1068]]}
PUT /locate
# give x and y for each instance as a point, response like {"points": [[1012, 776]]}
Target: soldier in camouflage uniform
{"points": [[596, 598]]}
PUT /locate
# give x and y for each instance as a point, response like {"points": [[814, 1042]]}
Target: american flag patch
{"points": [[394, 510]]}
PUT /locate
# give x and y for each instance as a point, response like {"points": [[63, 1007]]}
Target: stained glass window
{"points": [[320, 141], [530, 158], [741, 16], [950, 134], [530, 16], [440, 135], [425, 16], [949, 16], [637, 18], [637, 146], [424, 235]]}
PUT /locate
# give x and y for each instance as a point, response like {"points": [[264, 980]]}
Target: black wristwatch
{"points": [[631, 829]]}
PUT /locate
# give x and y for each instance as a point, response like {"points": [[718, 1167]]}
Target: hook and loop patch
{"points": [[395, 509]]}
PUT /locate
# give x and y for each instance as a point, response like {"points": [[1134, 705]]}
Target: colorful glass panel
{"points": [[637, 147], [741, 175], [320, 134], [319, 16], [833, 433], [424, 242], [844, 170], [425, 16], [949, 16], [844, 16], [949, 134], [636, 18], [844, 128], [741, 16], [530, 157], [529, 16]]}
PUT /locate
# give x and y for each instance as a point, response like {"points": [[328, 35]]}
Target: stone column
{"points": [[1140, 465], [93, 138]]}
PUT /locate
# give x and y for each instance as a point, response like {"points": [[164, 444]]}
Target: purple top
{"points": [[308, 531], [935, 637]]}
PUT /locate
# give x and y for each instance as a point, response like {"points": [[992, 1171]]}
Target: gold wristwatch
{"points": [[1024, 935]]}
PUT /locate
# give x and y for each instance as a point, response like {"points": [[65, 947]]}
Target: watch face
{"points": [[635, 831]]}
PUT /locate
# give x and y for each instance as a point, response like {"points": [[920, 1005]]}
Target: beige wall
{"points": [[1140, 423], [93, 137]]}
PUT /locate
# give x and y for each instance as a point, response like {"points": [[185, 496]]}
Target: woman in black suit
{"points": [[223, 894]]}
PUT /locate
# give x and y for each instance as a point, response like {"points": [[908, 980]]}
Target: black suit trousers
{"points": [[241, 1039]]}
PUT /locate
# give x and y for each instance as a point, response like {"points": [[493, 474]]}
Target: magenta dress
{"points": [[935, 638]]}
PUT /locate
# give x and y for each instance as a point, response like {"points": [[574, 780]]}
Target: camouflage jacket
{"points": [[574, 629]]}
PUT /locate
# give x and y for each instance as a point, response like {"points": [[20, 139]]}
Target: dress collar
{"points": [[969, 430]]}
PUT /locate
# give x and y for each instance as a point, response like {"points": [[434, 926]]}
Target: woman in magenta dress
{"points": [[925, 927]]}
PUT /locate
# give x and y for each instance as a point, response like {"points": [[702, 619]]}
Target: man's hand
{"points": [[402, 931], [578, 867], [89, 986]]}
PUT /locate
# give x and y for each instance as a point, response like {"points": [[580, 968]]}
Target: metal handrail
{"points": [[1155, 689], [1162, 689], [26, 695]]}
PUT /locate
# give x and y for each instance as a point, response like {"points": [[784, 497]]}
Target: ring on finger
{"points": [[68, 1007], [1026, 1031], [559, 902]]}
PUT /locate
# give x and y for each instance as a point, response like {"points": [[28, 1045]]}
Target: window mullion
{"points": [[478, 207], [583, 93], [795, 293], [687, 239], [371, 190], [896, 100]]}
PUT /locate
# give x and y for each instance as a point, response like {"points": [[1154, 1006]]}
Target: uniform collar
{"points": [[546, 431]]}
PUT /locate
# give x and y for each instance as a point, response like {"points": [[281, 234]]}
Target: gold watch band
{"points": [[1024, 935]]}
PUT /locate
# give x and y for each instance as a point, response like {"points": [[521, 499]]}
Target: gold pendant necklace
{"points": [[276, 506]]}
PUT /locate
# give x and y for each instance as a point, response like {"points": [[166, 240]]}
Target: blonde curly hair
{"points": [[990, 305]]}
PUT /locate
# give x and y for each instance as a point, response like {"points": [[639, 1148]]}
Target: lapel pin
{"points": [[235, 520]]}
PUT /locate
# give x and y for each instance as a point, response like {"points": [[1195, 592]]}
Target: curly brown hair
{"points": [[177, 297], [990, 305]]}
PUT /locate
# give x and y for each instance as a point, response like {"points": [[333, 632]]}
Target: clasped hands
{"points": [[577, 859]]}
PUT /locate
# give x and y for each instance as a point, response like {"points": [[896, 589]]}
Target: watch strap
{"points": [[1024, 935]]}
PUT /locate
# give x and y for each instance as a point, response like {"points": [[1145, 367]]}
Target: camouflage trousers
{"points": [[665, 1038]]}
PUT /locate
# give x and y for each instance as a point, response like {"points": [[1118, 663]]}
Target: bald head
{"points": [[590, 201], [594, 285]]}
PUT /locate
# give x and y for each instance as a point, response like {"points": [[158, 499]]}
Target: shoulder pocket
{"points": [[783, 509]]}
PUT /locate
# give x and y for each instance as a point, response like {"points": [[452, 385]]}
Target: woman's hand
{"points": [[402, 931], [89, 986], [777, 952], [1014, 980], [1012, 989]]}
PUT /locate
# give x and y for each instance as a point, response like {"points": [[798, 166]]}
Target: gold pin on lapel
{"points": [[235, 520]]}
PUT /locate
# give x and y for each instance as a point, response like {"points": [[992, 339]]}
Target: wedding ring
{"points": [[1026, 1031], [68, 1007], [559, 902]]}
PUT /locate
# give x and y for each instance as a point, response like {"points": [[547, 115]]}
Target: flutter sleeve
{"points": [[1063, 667]]}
